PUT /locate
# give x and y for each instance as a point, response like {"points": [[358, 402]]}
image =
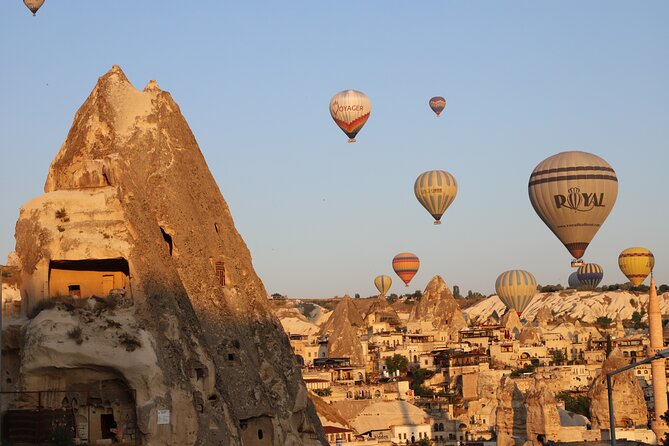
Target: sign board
{"points": [[163, 416]]}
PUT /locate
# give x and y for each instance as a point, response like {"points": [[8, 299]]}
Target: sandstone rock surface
{"points": [[437, 306], [130, 187], [628, 402]]}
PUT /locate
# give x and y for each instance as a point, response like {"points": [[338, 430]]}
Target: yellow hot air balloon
{"points": [[636, 263], [405, 265], [350, 109], [573, 193], [33, 5], [515, 289], [437, 104], [436, 190], [383, 283]]}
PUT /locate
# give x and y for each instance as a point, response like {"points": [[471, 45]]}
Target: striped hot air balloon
{"points": [[515, 289], [573, 280], [350, 109], [33, 5], [589, 275], [437, 104], [435, 190], [636, 263], [406, 266], [383, 283], [573, 193]]}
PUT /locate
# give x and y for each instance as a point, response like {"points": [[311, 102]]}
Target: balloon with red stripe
{"points": [[350, 110], [636, 264], [405, 265]]}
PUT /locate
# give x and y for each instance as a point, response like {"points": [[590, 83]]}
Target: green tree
{"points": [[636, 320], [397, 362], [323, 392], [558, 357], [603, 321], [357, 295], [425, 442], [456, 292], [665, 439], [576, 403]]}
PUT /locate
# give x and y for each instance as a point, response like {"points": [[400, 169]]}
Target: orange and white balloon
{"points": [[350, 110]]}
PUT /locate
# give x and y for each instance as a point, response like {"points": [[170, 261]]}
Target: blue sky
{"points": [[523, 80]]}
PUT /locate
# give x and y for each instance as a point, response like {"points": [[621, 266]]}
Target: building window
{"points": [[75, 290]]}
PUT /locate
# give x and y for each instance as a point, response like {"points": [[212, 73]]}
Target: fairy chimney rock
{"points": [[437, 305], [628, 399], [131, 209], [345, 313]]}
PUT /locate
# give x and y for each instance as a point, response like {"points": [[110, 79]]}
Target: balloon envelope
{"points": [[435, 190], [405, 265], [437, 104], [573, 280], [589, 275], [515, 289], [383, 283], [636, 263], [33, 5], [350, 110], [573, 193]]}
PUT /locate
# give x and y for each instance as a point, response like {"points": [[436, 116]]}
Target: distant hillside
{"points": [[585, 306]]}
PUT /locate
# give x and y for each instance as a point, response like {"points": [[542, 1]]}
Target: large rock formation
{"points": [[132, 210], [344, 342], [437, 306], [543, 418], [512, 323], [628, 402], [511, 415], [381, 311], [345, 310]]}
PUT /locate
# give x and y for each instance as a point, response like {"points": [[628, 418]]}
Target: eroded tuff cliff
{"points": [[130, 182], [628, 401], [437, 306], [344, 313], [511, 415]]}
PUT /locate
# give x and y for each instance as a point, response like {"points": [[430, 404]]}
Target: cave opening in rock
{"points": [[168, 239], [87, 278]]}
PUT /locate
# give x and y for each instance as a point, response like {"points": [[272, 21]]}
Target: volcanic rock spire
{"points": [[130, 190]]}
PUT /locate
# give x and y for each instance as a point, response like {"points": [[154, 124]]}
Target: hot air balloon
{"points": [[636, 263], [590, 274], [573, 280], [350, 110], [573, 193], [383, 283], [33, 5], [515, 289], [437, 104], [435, 190], [406, 266]]}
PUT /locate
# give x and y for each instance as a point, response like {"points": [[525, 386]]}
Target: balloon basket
{"points": [[351, 140], [437, 222]]}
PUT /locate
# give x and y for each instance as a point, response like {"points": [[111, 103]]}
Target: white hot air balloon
{"points": [[350, 110]]}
